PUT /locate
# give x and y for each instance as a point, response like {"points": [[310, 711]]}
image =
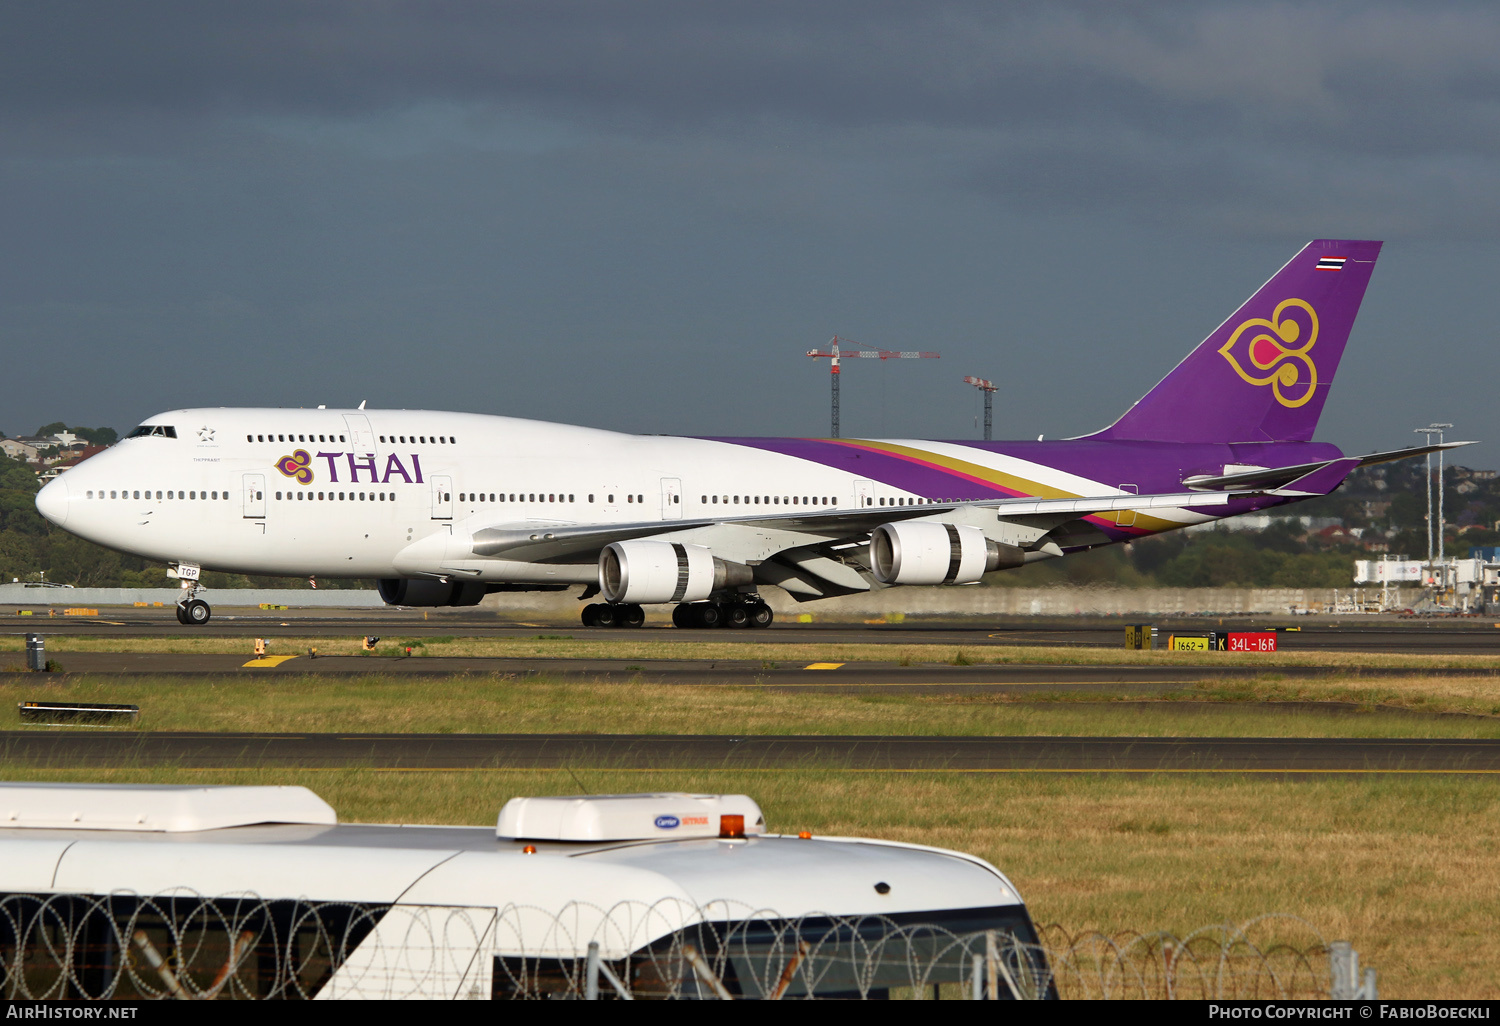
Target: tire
{"points": [[761, 615], [682, 615], [197, 613], [181, 615], [709, 615], [606, 615], [590, 615], [736, 616], [632, 616]]}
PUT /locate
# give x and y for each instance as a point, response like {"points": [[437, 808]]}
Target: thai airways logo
{"points": [[296, 465], [1273, 355]]}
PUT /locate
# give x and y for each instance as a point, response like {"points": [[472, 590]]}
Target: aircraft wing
{"points": [[564, 543]]}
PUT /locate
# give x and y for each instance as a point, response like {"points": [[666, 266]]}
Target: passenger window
{"points": [[111, 495], [630, 498], [91, 495], [158, 495], [278, 496], [341, 438], [611, 498], [675, 498], [591, 496], [714, 500]]}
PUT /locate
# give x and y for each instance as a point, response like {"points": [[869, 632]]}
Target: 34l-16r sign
{"points": [[1256, 641]]}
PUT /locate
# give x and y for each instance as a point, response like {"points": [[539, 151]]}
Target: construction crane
{"points": [[847, 349], [988, 389]]}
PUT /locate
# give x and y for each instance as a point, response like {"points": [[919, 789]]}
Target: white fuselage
{"points": [[370, 494]]}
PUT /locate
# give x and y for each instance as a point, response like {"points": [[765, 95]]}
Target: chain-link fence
{"points": [[187, 946]]}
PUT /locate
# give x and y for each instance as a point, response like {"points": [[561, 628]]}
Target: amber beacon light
{"points": [[732, 826]]}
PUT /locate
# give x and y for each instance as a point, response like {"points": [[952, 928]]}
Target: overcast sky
{"points": [[640, 215]]}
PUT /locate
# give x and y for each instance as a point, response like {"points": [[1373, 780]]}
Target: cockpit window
{"points": [[160, 430]]}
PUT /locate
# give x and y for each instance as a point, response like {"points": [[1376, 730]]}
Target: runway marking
{"points": [[269, 661], [822, 666]]}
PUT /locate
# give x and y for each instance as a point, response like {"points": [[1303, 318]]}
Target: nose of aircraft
{"points": [[52, 501]]}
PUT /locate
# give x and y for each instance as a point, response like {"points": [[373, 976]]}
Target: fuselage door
{"points": [[255, 497], [671, 498], [442, 497], [361, 438], [864, 493]]}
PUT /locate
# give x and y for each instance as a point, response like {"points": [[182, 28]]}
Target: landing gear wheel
{"points": [[196, 613], [631, 616], [590, 615], [606, 615], [682, 615], [182, 614], [709, 615], [736, 616], [761, 615]]}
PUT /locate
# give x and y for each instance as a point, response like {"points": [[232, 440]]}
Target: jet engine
{"points": [[928, 553], [658, 571], [398, 591]]}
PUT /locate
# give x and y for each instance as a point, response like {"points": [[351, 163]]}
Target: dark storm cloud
{"points": [[1220, 109], [247, 203]]}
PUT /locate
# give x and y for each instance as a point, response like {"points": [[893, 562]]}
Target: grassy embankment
{"points": [[498, 704], [1404, 868]]}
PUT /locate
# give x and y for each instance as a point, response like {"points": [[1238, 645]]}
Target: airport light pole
{"points": [[1429, 431], [1442, 521]]}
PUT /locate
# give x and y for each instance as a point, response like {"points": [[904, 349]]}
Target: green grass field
{"points": [[500, 704], [1405, 867]]}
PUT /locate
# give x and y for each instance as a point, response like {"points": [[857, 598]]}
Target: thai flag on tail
{"points": [[1331, 263]]}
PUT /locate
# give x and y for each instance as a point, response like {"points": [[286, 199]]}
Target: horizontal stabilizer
{"points": [[1276, 478]]}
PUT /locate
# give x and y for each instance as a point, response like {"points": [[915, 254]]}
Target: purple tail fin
{"points": [[1264, 374]]}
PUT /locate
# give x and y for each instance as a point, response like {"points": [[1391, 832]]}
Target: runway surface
{"points": [[416, 752], [1468, 635], [853, 676]]}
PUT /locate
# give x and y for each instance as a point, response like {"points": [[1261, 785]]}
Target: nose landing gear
{"points": [[192, 611]]}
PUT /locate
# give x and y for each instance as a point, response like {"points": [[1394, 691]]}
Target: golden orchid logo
{"points": [[1269, 350]]}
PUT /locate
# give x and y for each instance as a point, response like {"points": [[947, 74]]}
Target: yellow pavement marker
{"points": [[822, 666], [269, 661]]}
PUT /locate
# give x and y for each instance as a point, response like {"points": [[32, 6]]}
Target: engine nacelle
{"points": [[658, 571], [398, 591], [928, 553]]}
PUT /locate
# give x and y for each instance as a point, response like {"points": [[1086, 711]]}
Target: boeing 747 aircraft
{"points": [[443, 508]]}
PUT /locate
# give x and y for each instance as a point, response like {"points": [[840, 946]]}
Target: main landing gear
{"points": [[752, 613], [611, 614], [743, 613]]}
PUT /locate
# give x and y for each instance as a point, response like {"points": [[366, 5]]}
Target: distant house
{"points": [[17, 449]]}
